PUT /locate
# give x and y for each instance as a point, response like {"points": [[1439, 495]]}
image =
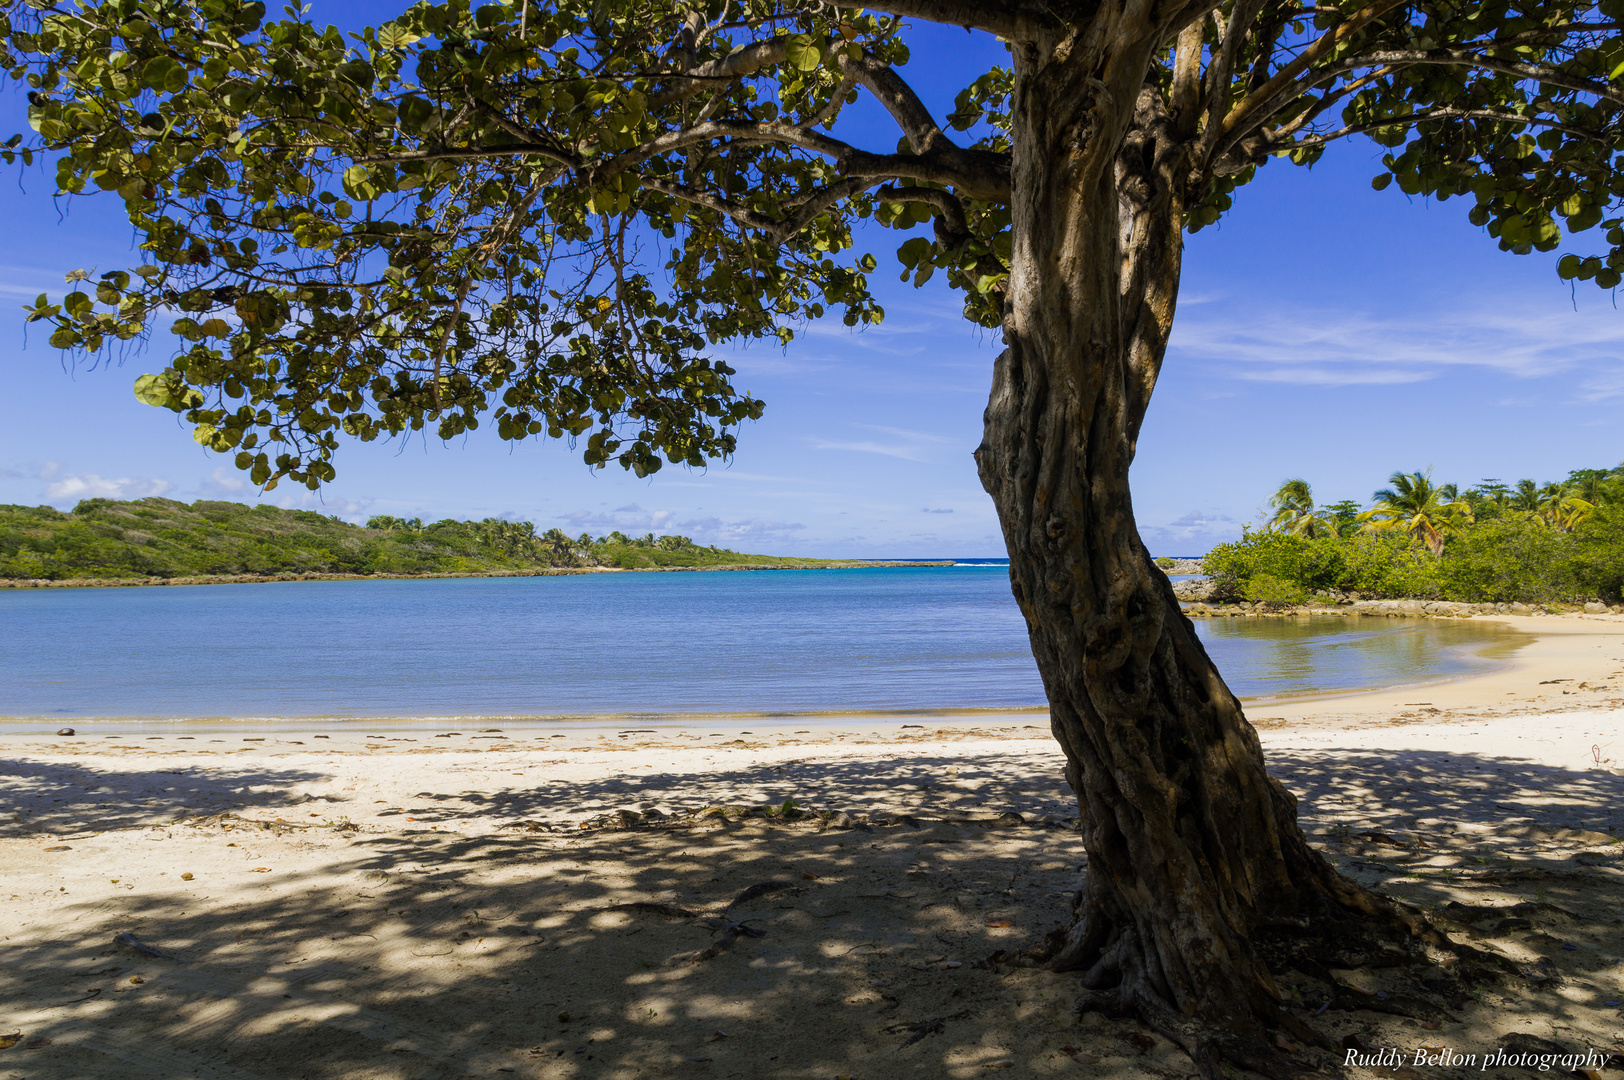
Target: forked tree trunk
{"points": [[1193, 848]]}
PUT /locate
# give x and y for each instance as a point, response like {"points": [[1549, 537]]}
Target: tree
{"points": [[1414, 504], [1344, 517], [1488, 499], [542, 213], [1525, 497], [1561, 506], [1598, 487], [1293, 506]]}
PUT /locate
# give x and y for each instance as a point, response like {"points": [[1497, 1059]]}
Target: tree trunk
{"points": [[1193, 849]]}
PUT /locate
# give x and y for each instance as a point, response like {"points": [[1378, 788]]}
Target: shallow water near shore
{"points": [[765, 647]]}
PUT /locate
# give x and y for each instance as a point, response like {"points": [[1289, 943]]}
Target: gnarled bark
{"points": [[1194, 851]]}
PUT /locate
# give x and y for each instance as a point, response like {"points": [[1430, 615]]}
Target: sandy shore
{"points": [[1563, 662], [416, 905]]}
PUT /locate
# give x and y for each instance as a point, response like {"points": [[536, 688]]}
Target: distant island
{"points": [[161, 541]]}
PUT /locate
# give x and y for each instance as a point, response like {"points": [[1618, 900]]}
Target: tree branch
{"points": [[736, 130], [817, 203], [946, 206], [899, 99], [1329, 98], [746, 61], [1013, 19], [1221, 71], [470, 153], [1186, 95], [744, 216], [978, 174], [1461, 58], [1441, 113], [1245, 114]]}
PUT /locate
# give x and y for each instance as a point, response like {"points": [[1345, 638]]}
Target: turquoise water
{"points": [[936, 639]]}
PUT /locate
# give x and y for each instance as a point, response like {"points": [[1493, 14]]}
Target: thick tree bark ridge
{"points": [[1194, 850]]}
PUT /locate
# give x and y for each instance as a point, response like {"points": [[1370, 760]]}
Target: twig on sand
{"points": [[922, 1028], [731, 932], [648, 907], [759, 889]]}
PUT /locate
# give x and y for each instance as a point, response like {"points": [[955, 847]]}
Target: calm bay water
{"points": [[872, 640]]}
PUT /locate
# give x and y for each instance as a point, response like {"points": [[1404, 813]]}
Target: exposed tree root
{"points": [[1267, 1037], [731, 931]]}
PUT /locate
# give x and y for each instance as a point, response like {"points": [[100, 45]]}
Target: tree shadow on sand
{"points": [[418, 954], [65, 797]]}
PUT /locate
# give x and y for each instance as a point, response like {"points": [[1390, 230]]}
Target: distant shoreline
{"points": [[551, 571]]}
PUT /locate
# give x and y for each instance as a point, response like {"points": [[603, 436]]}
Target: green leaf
{"points": [[414, 112], [391, 36], [358, 183], [803, 52], [1567, 268], [986, 282], [357, 73], [153, 390]]}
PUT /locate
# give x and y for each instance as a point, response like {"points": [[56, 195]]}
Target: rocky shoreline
{"points": [[1197, 600], [1184, 566]]}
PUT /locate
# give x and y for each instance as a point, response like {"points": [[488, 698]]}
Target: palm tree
{"points": [[1525, 497], [1294, 513], [1414, 504], [1595, 486], [1561, 506]]}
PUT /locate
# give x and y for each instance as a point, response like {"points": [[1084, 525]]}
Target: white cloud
{"points": [[629, 519], [226, 480], [1343, 348], [1192, 534], [72, 487], [928, 510], [352, 510], [734, 533]]}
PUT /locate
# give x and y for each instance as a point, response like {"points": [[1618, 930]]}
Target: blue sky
{"points": [[1324, 330]]}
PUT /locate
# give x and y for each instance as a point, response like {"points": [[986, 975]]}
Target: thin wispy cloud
{"points": [[905, 444], [1342, 348], [906, 453], [906, 433], [1193, 532], [630, 517]]}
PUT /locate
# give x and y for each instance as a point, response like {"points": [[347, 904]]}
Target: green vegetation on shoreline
{"points": [[107, 540], [1561, 542]]}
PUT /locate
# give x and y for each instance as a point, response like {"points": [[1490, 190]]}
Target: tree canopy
{"points": [[542, 216]]}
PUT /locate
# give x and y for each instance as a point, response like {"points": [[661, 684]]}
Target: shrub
{"points": [[1379, 564], [1510, 558], [1272, 591], [1597, 560], [1165, 563]]}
